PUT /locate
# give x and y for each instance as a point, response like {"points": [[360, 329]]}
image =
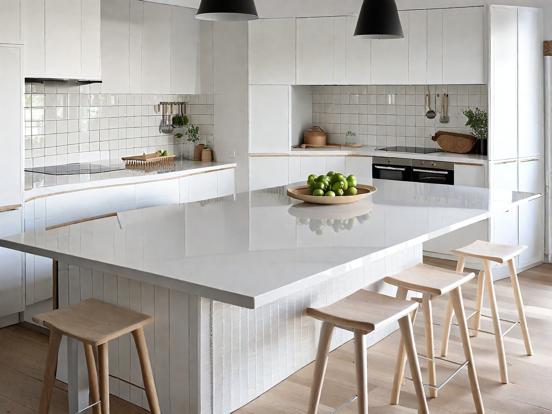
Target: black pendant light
{"points": [[227, 10], [379, 19]]}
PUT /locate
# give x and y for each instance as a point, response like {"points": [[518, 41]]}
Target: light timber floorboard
{"points": [[23, 355]]}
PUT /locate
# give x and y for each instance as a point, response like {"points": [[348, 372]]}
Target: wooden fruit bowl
{"points": [[302, 193]]}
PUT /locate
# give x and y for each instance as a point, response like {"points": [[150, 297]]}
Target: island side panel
{"points": [[253, 350], [174, 339]]}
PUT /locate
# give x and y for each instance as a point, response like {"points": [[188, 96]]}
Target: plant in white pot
{"points": [[478, 121]]}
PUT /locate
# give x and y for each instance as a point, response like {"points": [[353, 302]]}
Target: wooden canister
{"points": [[315, 137], [207, 155], [198, 149]]}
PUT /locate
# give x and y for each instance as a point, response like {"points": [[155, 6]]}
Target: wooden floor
{"points": [[23, 354]]}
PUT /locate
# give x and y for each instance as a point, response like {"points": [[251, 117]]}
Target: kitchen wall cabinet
{"points": [[435, 46], [272, 51], [11, 124], [464, 45], [269, 123], [10, 21], [62, 38], [185, 52], [359, 56], [11, 271], [156, 49], [417, 47]]}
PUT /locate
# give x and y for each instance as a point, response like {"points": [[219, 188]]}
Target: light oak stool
{"points": [[95, 323], [433, 282], [495, 253], [364, 312]]}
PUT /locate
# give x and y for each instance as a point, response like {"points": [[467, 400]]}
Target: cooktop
{"points": [[415, 150], [77, 168]]}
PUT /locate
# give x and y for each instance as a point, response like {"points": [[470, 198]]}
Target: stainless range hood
{"points": [[75, 81]]}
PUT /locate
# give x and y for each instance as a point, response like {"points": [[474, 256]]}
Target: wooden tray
{"points": [[455, 142], [330, 146], [148, 160], [302, 193]]}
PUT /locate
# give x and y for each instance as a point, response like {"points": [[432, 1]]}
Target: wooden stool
{"points": [[364, 312], [432, 282], [497, 253], [95, 323]]}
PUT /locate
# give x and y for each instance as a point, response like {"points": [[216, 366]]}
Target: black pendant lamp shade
{"points": [[227, 10], [379, 19]]}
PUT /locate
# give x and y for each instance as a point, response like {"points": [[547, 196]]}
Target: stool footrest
{"points": [[460, 367], [82, 410], [506, 332]]}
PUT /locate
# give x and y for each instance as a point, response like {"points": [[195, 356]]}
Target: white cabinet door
{"points": [[226, 182], [359, 57], [11, 93], [10, 21], [390, 58], [62, 38], [272, 51], [184, 56], [267, 172], [417, 47], [156, 49], [435, 46], [464, 45], [315, 52], [504, 176], [530, 81], [531, 215], [135, 45], [470, 175], [32, 12], [11, 271], [503, 83], [203, 187], [269, 118], [91, 53], [115, 46]]}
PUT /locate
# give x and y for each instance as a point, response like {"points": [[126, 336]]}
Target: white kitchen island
{"points": [[227, 280]]}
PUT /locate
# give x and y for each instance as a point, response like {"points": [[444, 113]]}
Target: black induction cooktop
{"points": [[414, 150], [77, 168]]}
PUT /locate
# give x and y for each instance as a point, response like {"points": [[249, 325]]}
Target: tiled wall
{"points": [[67, 123], [391, 115]]}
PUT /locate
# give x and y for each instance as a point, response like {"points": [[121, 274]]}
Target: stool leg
{"points": [[448, 316], [430, 347], [361, 361], [408, 336], [520, 307], [401, 357], [496, 323], [476, 321], [457, 301], [320, 366], [103, 362], [50, 372], [92, 377], [147, 374]]}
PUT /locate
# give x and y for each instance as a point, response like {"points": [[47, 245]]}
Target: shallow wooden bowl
{"points": [[302, 193]]}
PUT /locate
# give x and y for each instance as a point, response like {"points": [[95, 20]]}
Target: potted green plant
{"points": [[478, 121], [192, 135]]}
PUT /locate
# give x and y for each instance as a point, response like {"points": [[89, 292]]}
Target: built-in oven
{"points": [[397, 169], [433, 172], [421, 171]]}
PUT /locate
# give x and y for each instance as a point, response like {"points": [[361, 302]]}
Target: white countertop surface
{"points": [[39, 185], [369, 151], [260, 246]]}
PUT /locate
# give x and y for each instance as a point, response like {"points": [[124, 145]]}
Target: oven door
{"points": [[390, 172], [431, 176]]}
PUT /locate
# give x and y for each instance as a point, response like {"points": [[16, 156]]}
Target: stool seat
{"points": [[499, 253], [93, 322], [364, 311], [429, 279]]}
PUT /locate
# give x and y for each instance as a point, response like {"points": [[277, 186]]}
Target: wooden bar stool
{"points": [[492, 253], [432, 282], [95, 323], [364, 312]]}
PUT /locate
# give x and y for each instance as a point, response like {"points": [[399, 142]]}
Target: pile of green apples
{"points": [[333, 184]]}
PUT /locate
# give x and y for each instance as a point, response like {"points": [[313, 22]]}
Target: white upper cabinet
{"points": [[321, 45], [269, 118], [464, 45], [156, 49], [185, 51], [272, 51], [11, 139], [503, 77], [359, 57], [417, 47], [390, 58], [10, 21], [62, 38], [435, 46], [530, 81]]}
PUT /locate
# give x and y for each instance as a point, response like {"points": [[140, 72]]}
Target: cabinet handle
{"points": [[529, 160], [379, 167], [431, 171]]}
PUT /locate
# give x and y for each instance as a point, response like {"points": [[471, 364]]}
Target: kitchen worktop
{"points": [[371, 151], [38, 184], [260, 246]]}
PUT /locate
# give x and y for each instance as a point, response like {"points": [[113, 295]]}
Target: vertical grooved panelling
{"points": [[111, 296], [135, 302], [162, 348], [123, 300], [148, 307], [179, 356]]}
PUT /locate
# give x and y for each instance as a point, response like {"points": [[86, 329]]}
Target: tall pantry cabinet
{"points": [[11, 146]]}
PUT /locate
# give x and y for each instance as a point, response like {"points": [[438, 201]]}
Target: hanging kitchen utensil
{"points": [[162, 123], [445, 119], [430, 114]]}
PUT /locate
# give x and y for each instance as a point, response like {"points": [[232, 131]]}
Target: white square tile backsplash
{"points": [[391, 115], [67, 123]]}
